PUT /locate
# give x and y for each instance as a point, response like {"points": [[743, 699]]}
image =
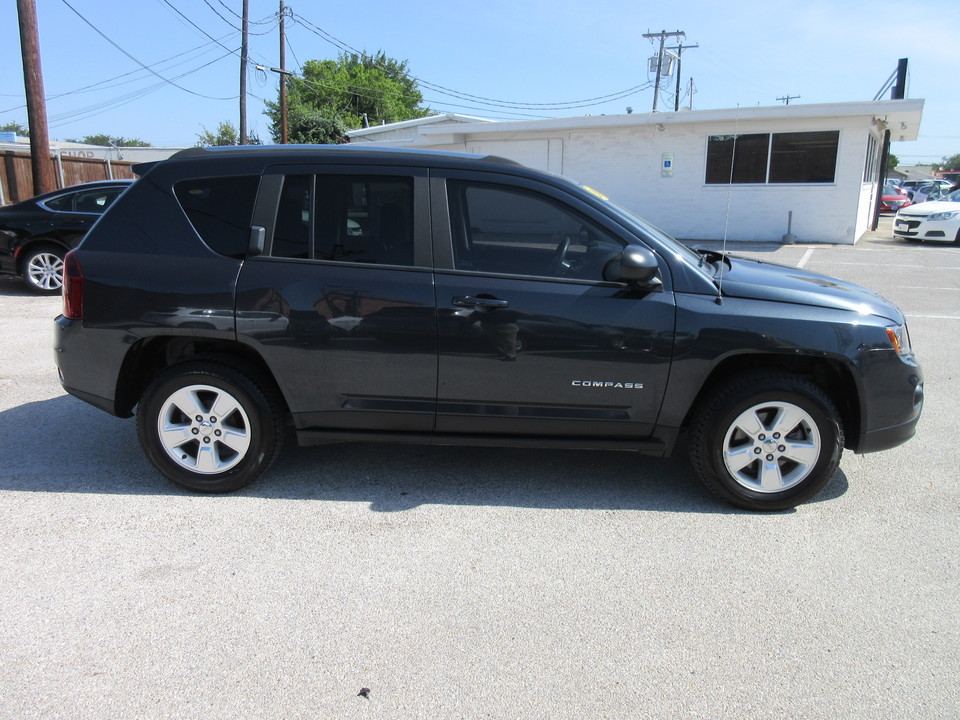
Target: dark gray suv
{"points": [[414, 296]]}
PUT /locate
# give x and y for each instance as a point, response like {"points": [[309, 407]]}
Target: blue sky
{"points": [[523, 52]]}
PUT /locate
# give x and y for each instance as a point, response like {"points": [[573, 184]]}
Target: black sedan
{"points": [[35, 234]]}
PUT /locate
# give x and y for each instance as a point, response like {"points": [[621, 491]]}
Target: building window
{"points": [[802, 157], [745, 154], [873, 160]]}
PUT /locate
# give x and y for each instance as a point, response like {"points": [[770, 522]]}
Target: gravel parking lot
{"points": [[468, 582]]}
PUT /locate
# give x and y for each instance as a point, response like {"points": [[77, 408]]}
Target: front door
{"points": [[532, 339]]}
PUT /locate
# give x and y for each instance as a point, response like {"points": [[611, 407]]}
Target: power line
{"points": [[566, 105], [138, 62], [104, 84]]}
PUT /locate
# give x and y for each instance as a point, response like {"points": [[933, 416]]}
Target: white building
{"points": [[819, 162]]}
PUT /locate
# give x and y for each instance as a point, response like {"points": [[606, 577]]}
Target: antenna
{"points": [[726, 218]]}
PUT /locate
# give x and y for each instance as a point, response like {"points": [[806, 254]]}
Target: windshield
{"points": [[951, 197]]}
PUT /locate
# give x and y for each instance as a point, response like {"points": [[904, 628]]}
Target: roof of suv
{"points": [[279, 154]]}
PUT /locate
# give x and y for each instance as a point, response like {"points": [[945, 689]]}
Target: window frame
{"points": [[265, 212], [443, 229]]}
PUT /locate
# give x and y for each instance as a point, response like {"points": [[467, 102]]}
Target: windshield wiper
{"points": [[712, 256]]}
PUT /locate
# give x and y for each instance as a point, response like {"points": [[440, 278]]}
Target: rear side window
{"points": [[346, 218], [220, 209]]}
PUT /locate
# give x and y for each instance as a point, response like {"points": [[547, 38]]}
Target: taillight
{"points": [[72, 287]]}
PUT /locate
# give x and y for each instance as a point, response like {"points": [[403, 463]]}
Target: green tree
{"points": [[892, 162], [951, 163], [107, 140], [226, 134], [18, 128], [333, 96]]}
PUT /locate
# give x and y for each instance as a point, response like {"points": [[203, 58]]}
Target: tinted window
{"points": [[95, 201], [86, 201], [746, 153], [808, 157], [220, 209], [803, 157], [291, 232], [352, 218], [501, 229], [60, 203]]}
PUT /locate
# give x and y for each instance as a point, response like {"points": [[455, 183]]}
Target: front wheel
{"points": [[767, 441], [209, 427]]}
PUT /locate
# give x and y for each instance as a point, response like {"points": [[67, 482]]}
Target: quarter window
{"points": [[220, 209], [507, 230]]}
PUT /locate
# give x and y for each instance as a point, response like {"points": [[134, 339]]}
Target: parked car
{"points": [[893, 198], [938, 220], [929, 192], [35, 234], [911, 186], [423, 297]]}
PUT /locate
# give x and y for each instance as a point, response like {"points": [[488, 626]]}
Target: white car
{"points": [[937, 220]]}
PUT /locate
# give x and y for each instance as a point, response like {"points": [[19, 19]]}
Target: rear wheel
{"points": [[209, 427], [767, 441], [43, 269]]}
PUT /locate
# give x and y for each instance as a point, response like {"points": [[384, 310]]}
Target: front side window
{"points": [[507, 230], [220, 209], [346, 218]]}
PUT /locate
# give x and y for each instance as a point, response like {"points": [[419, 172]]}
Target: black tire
{"points": [[224, 428], [42, 269], [786, 454]]}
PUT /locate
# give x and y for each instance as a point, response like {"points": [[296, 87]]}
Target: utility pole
{"points": [[680, 48], [283, 77], [787, 98], [43, 180], [244, 33], [663, 35]]}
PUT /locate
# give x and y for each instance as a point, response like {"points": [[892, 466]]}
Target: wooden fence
{"points": [[16, 173]]}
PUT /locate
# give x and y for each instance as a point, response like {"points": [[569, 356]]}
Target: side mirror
{"points": [[638, 267]]}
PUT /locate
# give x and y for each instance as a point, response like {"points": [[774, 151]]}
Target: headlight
{"points": [[944, 215], [899, 339]]}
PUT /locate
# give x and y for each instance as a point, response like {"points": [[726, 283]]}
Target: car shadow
{"points": [[62, 445], [13, 286]]}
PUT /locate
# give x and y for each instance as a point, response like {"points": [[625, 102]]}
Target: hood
{"points": [[929, 208], [758, 280]]}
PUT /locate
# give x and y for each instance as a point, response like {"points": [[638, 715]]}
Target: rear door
{"points": [[533, 339], [341, 303]]}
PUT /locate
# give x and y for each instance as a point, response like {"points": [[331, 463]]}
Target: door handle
{"points": [[471, 301]]}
